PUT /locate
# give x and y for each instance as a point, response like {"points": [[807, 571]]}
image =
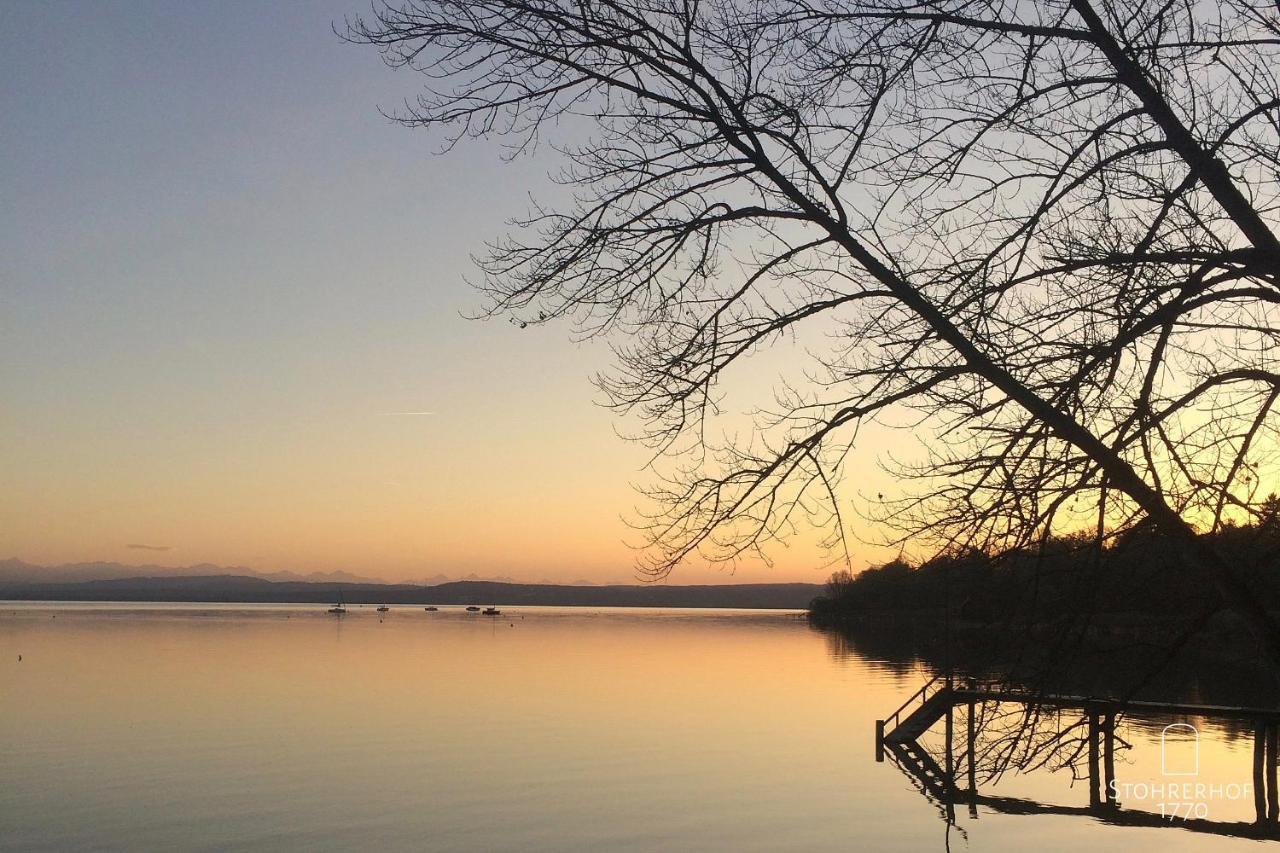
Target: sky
{"points": [[232, 300]]}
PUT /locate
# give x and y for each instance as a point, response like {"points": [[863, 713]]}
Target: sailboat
{"points": [[383, 609], [338, 609]]}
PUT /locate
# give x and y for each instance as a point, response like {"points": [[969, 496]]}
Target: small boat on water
{"points": [[492, 611], [473, 609], [431, 609], [383, 608], [338, 609]]}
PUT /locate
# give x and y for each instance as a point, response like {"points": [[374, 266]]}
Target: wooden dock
{"points": [[898, 739]]}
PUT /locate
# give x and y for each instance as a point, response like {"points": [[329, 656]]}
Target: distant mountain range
{"points": [[116, 582], [17, 571]]}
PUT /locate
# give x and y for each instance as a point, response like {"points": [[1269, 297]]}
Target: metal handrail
{"points": [[921, 694]]}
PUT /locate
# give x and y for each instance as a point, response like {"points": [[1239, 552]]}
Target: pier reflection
{"points": [[956, 741]]}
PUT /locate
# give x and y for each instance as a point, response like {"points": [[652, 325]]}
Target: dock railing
{"points": [[926, 692]]}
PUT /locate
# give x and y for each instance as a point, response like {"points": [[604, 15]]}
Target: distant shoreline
{"points": [[34, 606], [232, 589]]}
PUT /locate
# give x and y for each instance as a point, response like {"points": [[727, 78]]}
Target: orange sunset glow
{"points": [[635, 426]]}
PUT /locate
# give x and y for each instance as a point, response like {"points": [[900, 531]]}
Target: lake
{"points": [[241, 727]]}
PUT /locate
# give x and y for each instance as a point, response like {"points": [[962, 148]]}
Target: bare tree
{"points": [[1045, 230]]}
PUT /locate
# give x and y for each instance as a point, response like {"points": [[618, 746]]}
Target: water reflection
{"points": [[284, 728], [973, 752], [991, 740], [1106, 668]]}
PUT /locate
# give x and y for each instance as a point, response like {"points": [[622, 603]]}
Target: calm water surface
{"points": [[205, 727]]}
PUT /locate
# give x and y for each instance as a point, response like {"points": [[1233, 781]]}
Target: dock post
{"points": [[970, 759], [880, 741], [1109, 758], [951, 761], [1259, 756], [1273, 804], [1095, 794]]}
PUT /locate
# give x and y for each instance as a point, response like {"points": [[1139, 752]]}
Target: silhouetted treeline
{"points": [[1140, 575], [1125, 620]]}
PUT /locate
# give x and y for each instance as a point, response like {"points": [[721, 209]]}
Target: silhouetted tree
{"points": [[1042, 233], [839, 584]]}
